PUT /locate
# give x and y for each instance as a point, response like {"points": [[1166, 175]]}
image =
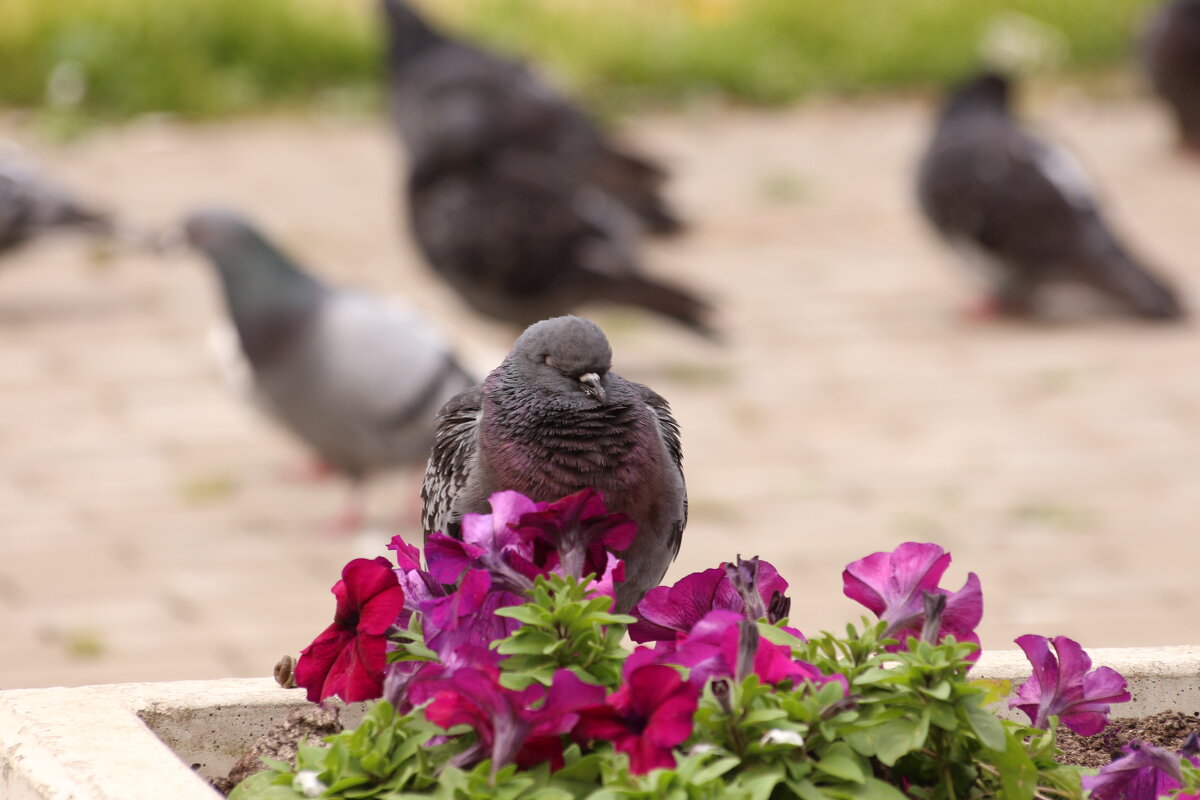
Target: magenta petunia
{"points": [[347, 659], [1062, 686], [667, 613], [582, 530], [724, 644], [466, 618], [419, 585], [492, 542], [1144, 772], [509, 725], [893, 586], [649, 716]]}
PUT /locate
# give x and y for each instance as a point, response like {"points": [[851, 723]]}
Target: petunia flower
{"points": [[893, 586], [466, 617], [347, 659], [582, 530], [1145, 772], [492, 542], [668, 613], [510, 726], [1063, 687], [646, 718], [419, 585], [726, 644]]}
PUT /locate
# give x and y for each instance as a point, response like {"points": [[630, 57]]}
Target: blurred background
{"points": [[151, 526]]}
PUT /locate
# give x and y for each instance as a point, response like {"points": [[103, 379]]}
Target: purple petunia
{"points": [[1063, 687], [668, 613], [583, 531], [1144, 772], [893, 586]]}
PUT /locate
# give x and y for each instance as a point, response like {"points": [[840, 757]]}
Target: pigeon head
{"points": [[986, 91], [407, 32], [566, 356], [264, 290]]}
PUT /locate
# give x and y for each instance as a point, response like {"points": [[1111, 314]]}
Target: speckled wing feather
{"points": [[453, 456], [669, 428]]}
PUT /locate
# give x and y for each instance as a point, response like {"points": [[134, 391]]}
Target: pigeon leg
{"points": [[314, 470], [353, 515]]}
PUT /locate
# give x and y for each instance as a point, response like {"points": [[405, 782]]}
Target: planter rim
{"points": [[49, 749]]}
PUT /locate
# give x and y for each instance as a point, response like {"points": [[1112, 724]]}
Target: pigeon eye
{"points": [[549, 361]]}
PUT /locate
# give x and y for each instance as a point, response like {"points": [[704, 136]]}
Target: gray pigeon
{"points": [[355, 378], [31, 204], [552, 420], [1025, 208], [1171, 53], [455, 105]]}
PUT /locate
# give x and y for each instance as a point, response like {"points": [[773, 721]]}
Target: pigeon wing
{"points": [[453, 456], [668, 428]]}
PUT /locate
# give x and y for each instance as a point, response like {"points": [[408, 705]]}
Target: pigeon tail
{"points": [[1146, 294], [407, 33], [662, 298]]}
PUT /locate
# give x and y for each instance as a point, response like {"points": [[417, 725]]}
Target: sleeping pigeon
{"points": [[455, 105], [1027, 209], [357, 379], [31, 204], [1171, 53], [552, 420]]}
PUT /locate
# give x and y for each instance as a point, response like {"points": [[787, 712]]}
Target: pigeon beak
{"points": [[591, 385]]}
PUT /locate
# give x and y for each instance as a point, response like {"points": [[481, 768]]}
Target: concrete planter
{"points": [[151, 740]]}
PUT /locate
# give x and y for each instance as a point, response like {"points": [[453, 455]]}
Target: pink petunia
{"points": [[668, 613], [646, 718], [347, 659], [510, 726], [1063, 687], [893, 586]]}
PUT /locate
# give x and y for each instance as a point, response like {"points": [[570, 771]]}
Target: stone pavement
{"points": [[147, 531]]}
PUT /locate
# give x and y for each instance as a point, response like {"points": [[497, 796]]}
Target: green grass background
{"points": [[210, 58]]}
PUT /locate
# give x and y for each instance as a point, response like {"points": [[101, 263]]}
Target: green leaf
{"points": [[714, 770], [261, 786], [1018, 774], [987, 727], [840, 762]]}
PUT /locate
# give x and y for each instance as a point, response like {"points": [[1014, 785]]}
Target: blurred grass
{"points": [[205, 58]]}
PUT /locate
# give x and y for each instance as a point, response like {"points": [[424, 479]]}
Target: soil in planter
{"points": [[1167, 729], [305, 726]]}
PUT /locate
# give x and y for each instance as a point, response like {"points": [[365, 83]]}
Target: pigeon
{"points": [[31, 204], [455, 104], [1171, 55], [1027, 209], [357, 379], [520, 247], [551, 420]]}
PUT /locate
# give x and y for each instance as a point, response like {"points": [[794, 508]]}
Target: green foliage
{"points": [[562, 628], [203, 58]]}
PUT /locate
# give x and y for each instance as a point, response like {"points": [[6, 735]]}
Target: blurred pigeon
{"points": [[357, 379], [31, 204], [1027, 208], [519, 246], [1171, 53], [552, 420], [457, 105]]}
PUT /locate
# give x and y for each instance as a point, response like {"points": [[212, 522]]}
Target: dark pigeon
{"points": [[457, 105], [1027, 211], [31, 204], [1171, 54], [552, 420], [357, 379]]}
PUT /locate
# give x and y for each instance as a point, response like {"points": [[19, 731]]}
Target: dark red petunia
{"points": [[646, 718], [347, 659]]}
